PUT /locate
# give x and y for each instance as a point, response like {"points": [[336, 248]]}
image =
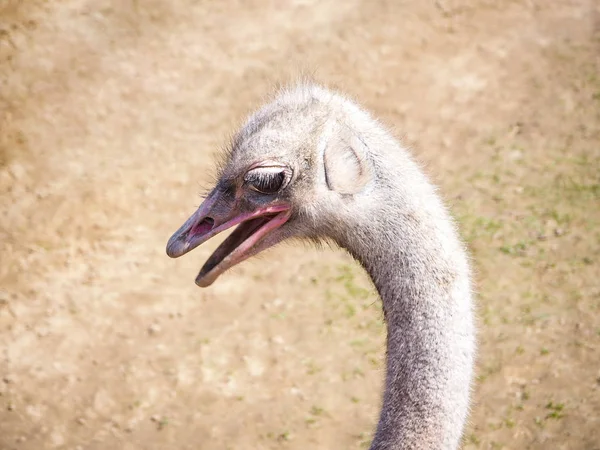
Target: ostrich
{"points": [[312, 164]]}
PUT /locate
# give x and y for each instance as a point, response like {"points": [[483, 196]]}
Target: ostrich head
{"points": [[297, 169]]}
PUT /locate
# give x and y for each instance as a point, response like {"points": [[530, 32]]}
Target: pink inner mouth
{"points": [[202, 227], [245, 241], [241, 243]]}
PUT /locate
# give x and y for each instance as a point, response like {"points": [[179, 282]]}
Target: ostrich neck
{"points": [[422, 276]]}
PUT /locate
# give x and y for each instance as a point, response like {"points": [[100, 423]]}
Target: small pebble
{"points": [[154, 328], [17, 171], [42, 332]]}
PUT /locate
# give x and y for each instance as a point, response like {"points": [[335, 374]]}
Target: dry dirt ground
{"points": [[110, 115]]}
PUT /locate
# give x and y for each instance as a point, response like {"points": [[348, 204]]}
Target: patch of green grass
{"points": [[350, 310], [538, 421], [556, 410], [347, 277], [474, 227], [162, 423], [517, 249], [359, 342], [203, 341], [509, 422], [280, 316], [364, 440], [357, 372], [473, 439], [283, 436], [489, 225], [520, 350], [491, 141], [316, 411], [560, 218], [312, 368], [489, 370], [375, 361]]}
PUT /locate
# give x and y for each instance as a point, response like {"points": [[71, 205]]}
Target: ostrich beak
{"points": [[248, 239]]}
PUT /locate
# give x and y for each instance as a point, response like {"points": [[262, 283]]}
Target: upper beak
{"points": [[200, 227]]}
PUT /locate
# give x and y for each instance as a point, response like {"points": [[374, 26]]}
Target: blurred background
{"points": [[111, 113]]}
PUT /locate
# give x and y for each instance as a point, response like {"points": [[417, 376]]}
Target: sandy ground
{"points": [[110, 115]]}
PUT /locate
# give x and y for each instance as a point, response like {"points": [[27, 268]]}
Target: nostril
{"points": [[204, 226]]}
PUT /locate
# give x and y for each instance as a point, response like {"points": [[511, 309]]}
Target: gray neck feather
{"points": [[420, 269]]}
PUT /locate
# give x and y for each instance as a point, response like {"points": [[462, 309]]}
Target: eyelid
{"points": [[261, 172], [268, 169]]}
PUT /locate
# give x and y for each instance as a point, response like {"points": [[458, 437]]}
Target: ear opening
{"points": [[347, 170]]}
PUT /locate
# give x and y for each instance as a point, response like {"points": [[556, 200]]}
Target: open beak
{"points": [[248, 239]]}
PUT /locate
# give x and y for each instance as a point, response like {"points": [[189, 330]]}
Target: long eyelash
{"points": [[267, 181]]}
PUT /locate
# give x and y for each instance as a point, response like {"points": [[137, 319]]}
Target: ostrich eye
{"points": [[267, 180]]}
